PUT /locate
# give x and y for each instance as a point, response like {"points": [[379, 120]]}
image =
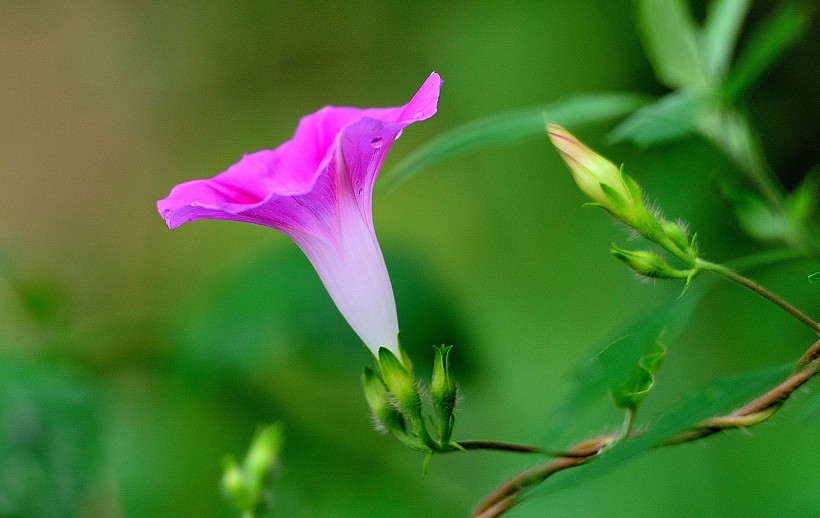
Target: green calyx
{"points": [[649, 264], [444, 392], [401, 384], [396, 404], [378, 399]]}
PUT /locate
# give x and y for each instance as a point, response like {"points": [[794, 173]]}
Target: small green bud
{"points": [[263, 454], [649, 264], [442, 384], [236, 487], [400, 383], [248, 486], [443, 391], [378, 399], [607, 185]]}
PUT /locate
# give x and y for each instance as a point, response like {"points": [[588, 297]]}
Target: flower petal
{"points": [[317, 188], [296, 166]]}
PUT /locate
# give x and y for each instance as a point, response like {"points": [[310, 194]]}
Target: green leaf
{"points": [[720, 34], [670, 118], [768, 43], [506, 128], [640, 380], [600, 371], [670, 39], [718, 398], [814, 278]]}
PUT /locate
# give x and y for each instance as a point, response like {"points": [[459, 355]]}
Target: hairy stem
{"points": [[732, 275]]}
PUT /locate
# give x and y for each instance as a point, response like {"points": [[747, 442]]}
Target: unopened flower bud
{"points": [[401, 384], [443, 391], [263, 455], [607, 185], [236, 487], [442, 384], [649, 264]]}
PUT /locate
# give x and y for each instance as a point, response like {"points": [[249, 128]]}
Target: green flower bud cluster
{"points": [[394, 399], [612, 189], [248, 485]]}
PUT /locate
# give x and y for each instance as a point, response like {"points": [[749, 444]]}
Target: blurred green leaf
{"points": [[670, 118], [720, 33], [767, 44], [670, 39], [756, 218], [50, 440], [801, 202], [511, 127], [267, 309], [46, 300], [29, 301], [612, 365], [718, 398], [274, 307], [814, 278]]}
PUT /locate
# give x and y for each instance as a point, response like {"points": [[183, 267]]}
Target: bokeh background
{"points": [[133, 358]]}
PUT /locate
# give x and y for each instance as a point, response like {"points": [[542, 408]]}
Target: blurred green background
{"points": [[132, 358]]}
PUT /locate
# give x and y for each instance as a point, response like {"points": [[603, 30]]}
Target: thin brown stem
{"points": [[516, 448], [503, 498], [752, 413], [811, 355], [499, 508]]}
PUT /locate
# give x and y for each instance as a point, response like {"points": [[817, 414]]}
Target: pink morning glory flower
{"points": [[317, 188]]}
